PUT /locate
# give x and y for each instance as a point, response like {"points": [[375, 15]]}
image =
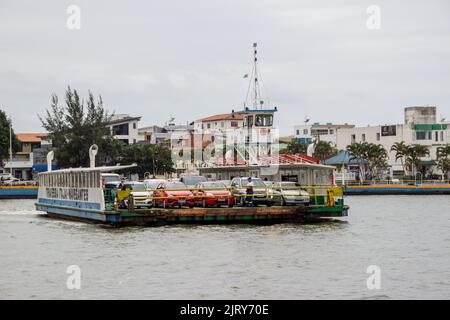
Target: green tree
{"points": [[443, 158], [295, 146], [377, 157], [74, 127], [5, 124], [324, 150], [155, 159], [357, 151], [413, 155], [401, 151], [369, 156]]}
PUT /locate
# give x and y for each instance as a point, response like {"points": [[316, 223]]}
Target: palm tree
{"points": [[377, 156], [443, 157], [295, 146], [413, 155], [401, 150], [324, 150], [357, 151]]}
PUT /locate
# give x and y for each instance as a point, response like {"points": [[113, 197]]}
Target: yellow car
{"points": [[124, 190]]}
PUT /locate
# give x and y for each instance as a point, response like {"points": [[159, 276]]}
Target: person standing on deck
{"points": [[249, 192]]}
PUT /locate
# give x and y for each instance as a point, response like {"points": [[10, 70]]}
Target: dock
{"points": [[398, 189], [18, 192]]}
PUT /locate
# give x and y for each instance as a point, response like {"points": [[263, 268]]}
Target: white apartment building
{"points": [[308, 133], [125, 128], [420, 127]]}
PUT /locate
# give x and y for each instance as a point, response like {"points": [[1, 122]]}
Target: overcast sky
{"points": [[153, 58]]}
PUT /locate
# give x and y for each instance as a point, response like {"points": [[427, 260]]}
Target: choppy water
{"points": [[408, 237]]}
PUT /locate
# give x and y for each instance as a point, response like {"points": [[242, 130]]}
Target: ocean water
{"points": [[407, 238]]}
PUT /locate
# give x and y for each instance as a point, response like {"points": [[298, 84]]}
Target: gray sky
{"points": [[188, 58]]}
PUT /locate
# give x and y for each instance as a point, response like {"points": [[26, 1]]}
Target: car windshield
{"points": [[289, 184], [256, 183], [175, 186], [152, 185], [213, 185], [138, 186], [111, 179]]}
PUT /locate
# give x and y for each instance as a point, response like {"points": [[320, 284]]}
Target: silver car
{"points": [[287, 192], [261, 193]]}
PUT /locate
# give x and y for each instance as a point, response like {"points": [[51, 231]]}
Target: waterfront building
{"points": [[308, 133], [22, 162], [420, 126], [125, 128]]}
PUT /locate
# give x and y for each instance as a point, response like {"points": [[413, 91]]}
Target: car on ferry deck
{"points": [[290, 193], [137, 190], [152, 184], [173, 194], [111, 180], [212, 193], [261, 193]]}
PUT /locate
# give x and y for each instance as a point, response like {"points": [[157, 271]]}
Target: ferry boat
{"points": [[79, 194]]}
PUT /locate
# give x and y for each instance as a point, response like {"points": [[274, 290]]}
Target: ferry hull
{"points": [[157, 217]]}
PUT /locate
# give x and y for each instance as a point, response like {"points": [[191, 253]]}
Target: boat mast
{"points": [[254, 80], [255, 52]]}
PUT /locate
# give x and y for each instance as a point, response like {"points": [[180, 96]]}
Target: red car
{"points": [[213, 194], [173, 194]]}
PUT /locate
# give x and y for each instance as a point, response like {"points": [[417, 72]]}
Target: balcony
{"points": [[20, 161]]}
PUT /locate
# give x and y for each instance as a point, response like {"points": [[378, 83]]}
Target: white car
{"points": [[290, 193], [141, 196]]}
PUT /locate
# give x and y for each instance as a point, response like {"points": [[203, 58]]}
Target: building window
{"points": [[436, 136], [305, 131], [134, 125], [234, 124], [363, 137], [121, 129], [378, 136], [208, 126], [263, 120], [331, 131], [442, 135], [429, 135], [319, 132], [298, 132], [421, 135], [222, 124], [353, 138]]}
